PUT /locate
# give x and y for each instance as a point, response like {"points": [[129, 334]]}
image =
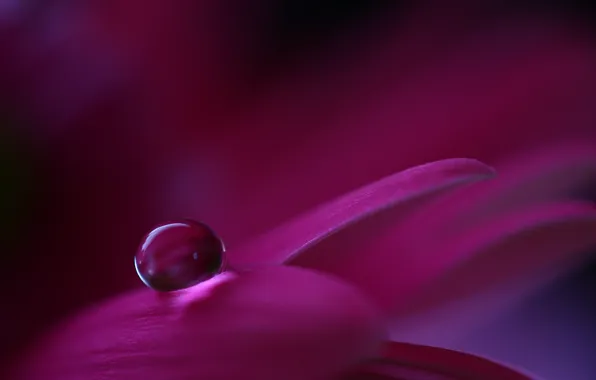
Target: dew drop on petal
{"points": [[179, 255]]}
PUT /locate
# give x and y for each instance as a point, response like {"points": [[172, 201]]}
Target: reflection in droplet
{"points": [[179, 255]]}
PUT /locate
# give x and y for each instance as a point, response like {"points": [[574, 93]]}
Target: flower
{"points": [[274, 321], [135, 122]]}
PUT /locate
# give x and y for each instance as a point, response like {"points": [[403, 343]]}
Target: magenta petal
{"points": [[414, 362], [524, 180], [279, 323], [291, 241], [493, 266]]}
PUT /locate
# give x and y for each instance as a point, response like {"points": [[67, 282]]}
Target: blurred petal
{"points": [[281, 323], [491, 267], [414, 362], [402, 190], [524, 180]]}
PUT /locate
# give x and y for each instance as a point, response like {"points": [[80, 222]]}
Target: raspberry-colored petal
{"points": [[468, 281], [281, 323], [554, 172], [292, 243], [414, 362]]}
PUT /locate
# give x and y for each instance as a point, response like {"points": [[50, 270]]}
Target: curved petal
{"points": [[410, 187], [279, 323], [524, 180], [493, 266], [414, 362]]}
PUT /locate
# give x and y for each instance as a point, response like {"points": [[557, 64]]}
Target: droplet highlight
{"points": [[178, 255]]}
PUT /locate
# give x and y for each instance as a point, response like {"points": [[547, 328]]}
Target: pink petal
{"points": [[525, 179], [413, 362], [279, 323], [291, 243], [494, 265]]}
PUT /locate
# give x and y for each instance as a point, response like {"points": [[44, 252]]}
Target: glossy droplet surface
{"points": [[178, 255]]}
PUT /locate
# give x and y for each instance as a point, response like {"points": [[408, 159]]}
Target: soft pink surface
{"points": [[270, 324]]}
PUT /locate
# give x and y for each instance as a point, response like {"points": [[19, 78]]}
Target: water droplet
{"points": [[179, 255]]}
